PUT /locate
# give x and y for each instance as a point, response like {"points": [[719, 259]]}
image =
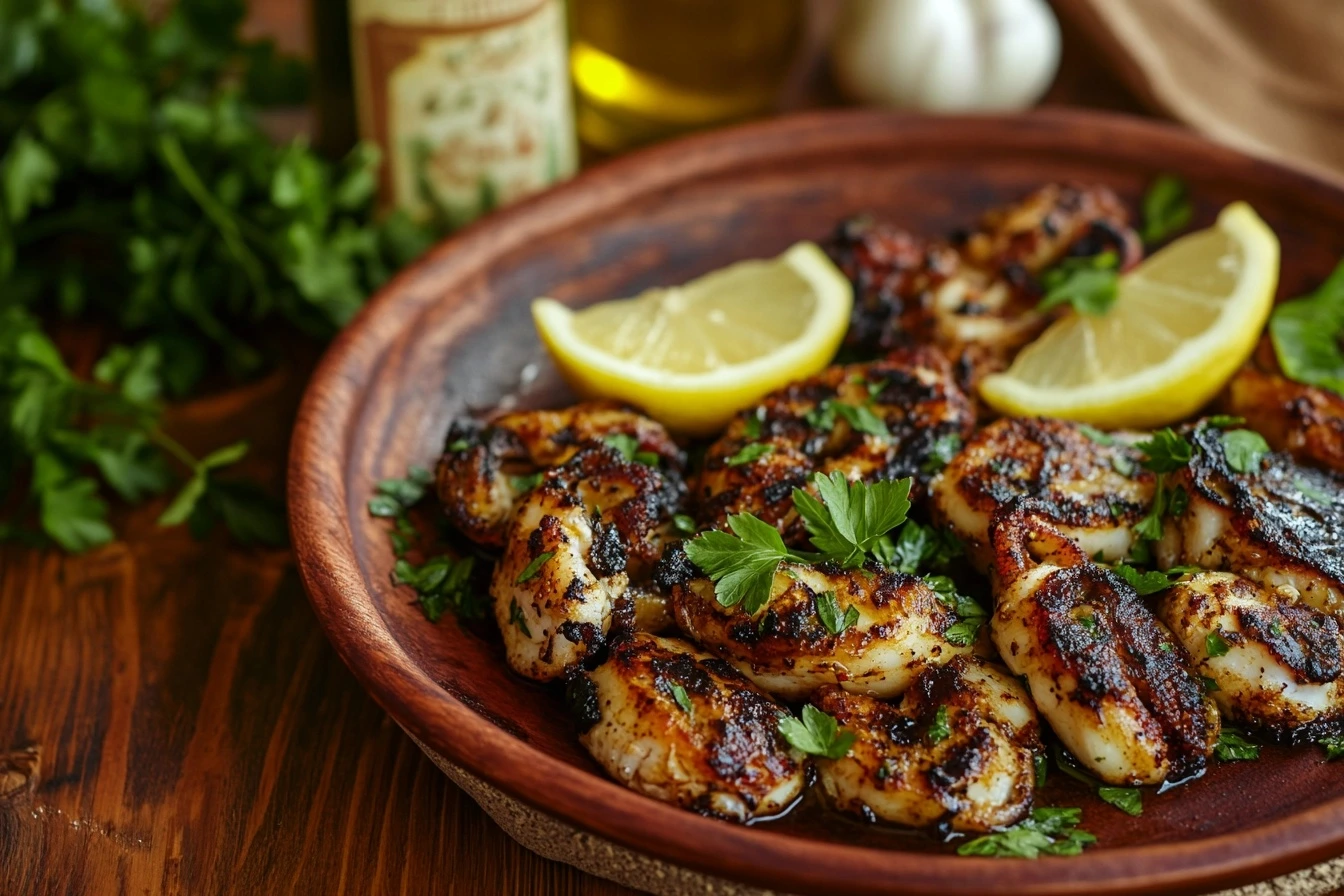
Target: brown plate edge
{"points": [[324, 546]]}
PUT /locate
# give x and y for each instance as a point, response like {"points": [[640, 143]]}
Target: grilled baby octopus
{"points": [[683, 727], [958, 750], [785, 648], [1276, 662], [888, 419], [487, 468], [1093, 485], [1102, 670], [571, 550], [1278, 524], [974, 296]]}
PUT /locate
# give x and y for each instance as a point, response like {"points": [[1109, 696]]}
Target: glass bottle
{"points": [[648, 69], [469, 99]]}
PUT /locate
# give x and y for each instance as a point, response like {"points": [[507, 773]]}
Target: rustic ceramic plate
{"points": [[453, 334]]}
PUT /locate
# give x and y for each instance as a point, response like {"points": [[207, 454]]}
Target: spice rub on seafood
{"points": [[889, 419], [1277, 522], [1102, 670], [958, 750], [974, 295], [1092, 483], [684, 727]]}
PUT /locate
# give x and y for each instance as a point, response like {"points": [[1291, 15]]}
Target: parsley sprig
{"points": [[1232, 746], [817, 734], [1049, 831], [1090, 284], [1166, 208], [1306, 333]]}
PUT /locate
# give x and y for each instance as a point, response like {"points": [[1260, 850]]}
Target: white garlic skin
{"points": [[946, 55]]}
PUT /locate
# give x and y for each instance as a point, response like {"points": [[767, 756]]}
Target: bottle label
{"points": [[469, 100]]}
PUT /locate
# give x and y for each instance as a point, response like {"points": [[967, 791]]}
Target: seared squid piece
{"points": [[1279, 524], [898, 417], [486, 468], [974, 296], [959, 749], [683, 727], [1108, 677], [902, 628], [571, 550], [1276, 662], [1095, 491], [1304, 421]]}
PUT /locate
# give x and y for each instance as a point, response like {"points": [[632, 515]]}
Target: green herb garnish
{"points": [[1166, 208], [1127, 799], [1215, 645], [1310, 491], [1089, 284], [970, 615], [742, 564], [1334, 746], [1244, 449], [442, 584], [939, 729], [817, 734], [516, 618], [1306, 331], [944, 448], [683, 524], [828, 611], [1049, 831], [628, 447], [679, 694], [1232, 746], [530, 572], [750, 452], [850, 519]]}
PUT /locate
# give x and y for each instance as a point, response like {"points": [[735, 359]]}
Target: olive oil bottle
{"points": [[648, 69]]}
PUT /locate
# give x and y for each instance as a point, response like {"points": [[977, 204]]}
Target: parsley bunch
{"points": [[1051, 832], [139, 192]]}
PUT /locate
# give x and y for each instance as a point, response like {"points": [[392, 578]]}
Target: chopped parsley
{"points": [[1089, 623], [525, 483], [1149, 581], [1244, 449], [1334, 746], [1049, 831], [1215, 644], [1310, 491], [1096, 435], [828, 611], [628, 446], [1165, 451], [683, 524], [1042, 766], [1223, 421], [458, 445], [750, 452], [939, 730], [944, 448], [679, 694], [1232, 746], [816, 735], [970, 615], [752, 423], [919, 547], [1305, 332], [442, 584], [1089, 284], [530, 573], [517, 618], [862, 419], [1127, 799], [1166, 208]]}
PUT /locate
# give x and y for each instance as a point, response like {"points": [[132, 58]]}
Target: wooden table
{"points": [[173, 721]]}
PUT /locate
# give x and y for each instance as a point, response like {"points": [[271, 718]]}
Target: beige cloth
{"points": [[1266, 76]]}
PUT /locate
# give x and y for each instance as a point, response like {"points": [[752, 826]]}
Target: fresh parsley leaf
{"points": [[862, 419], [939, 729], [1089, 623], [1089, 284], [822, 417], [443, 584], [750, 452], [680, 696], [530, 571], [516, 618], [1305, 332], [1215, 645], [828, 611], [848, 521], [526, 483], [1165, 451], [1042, 766], [970, 615], [1223, 421], [1232, 746], [817, 734], [1145, 583], [1334, 746], [742, 565], [1244, 449], [1210, 686], [918, 547], [624, 443], [1177, 501], [1166, 208], [1122, 464], [753, 421], [458, 445], [1127, 799], [1049, 831], [941, 452]]}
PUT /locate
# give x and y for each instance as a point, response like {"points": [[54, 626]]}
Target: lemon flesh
{"points": [[693, 355], [1183, 321]]}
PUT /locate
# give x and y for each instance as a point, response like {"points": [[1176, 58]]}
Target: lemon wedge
{"points": [[1183, 321], [693, 355]]}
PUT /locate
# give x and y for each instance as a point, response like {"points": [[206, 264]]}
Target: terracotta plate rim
{"points": [[324, 545]]}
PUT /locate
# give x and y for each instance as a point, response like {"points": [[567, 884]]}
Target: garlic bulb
{"points": [[946, 55]]}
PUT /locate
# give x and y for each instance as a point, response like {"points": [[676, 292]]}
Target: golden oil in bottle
{"points": [[648, 69]]}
